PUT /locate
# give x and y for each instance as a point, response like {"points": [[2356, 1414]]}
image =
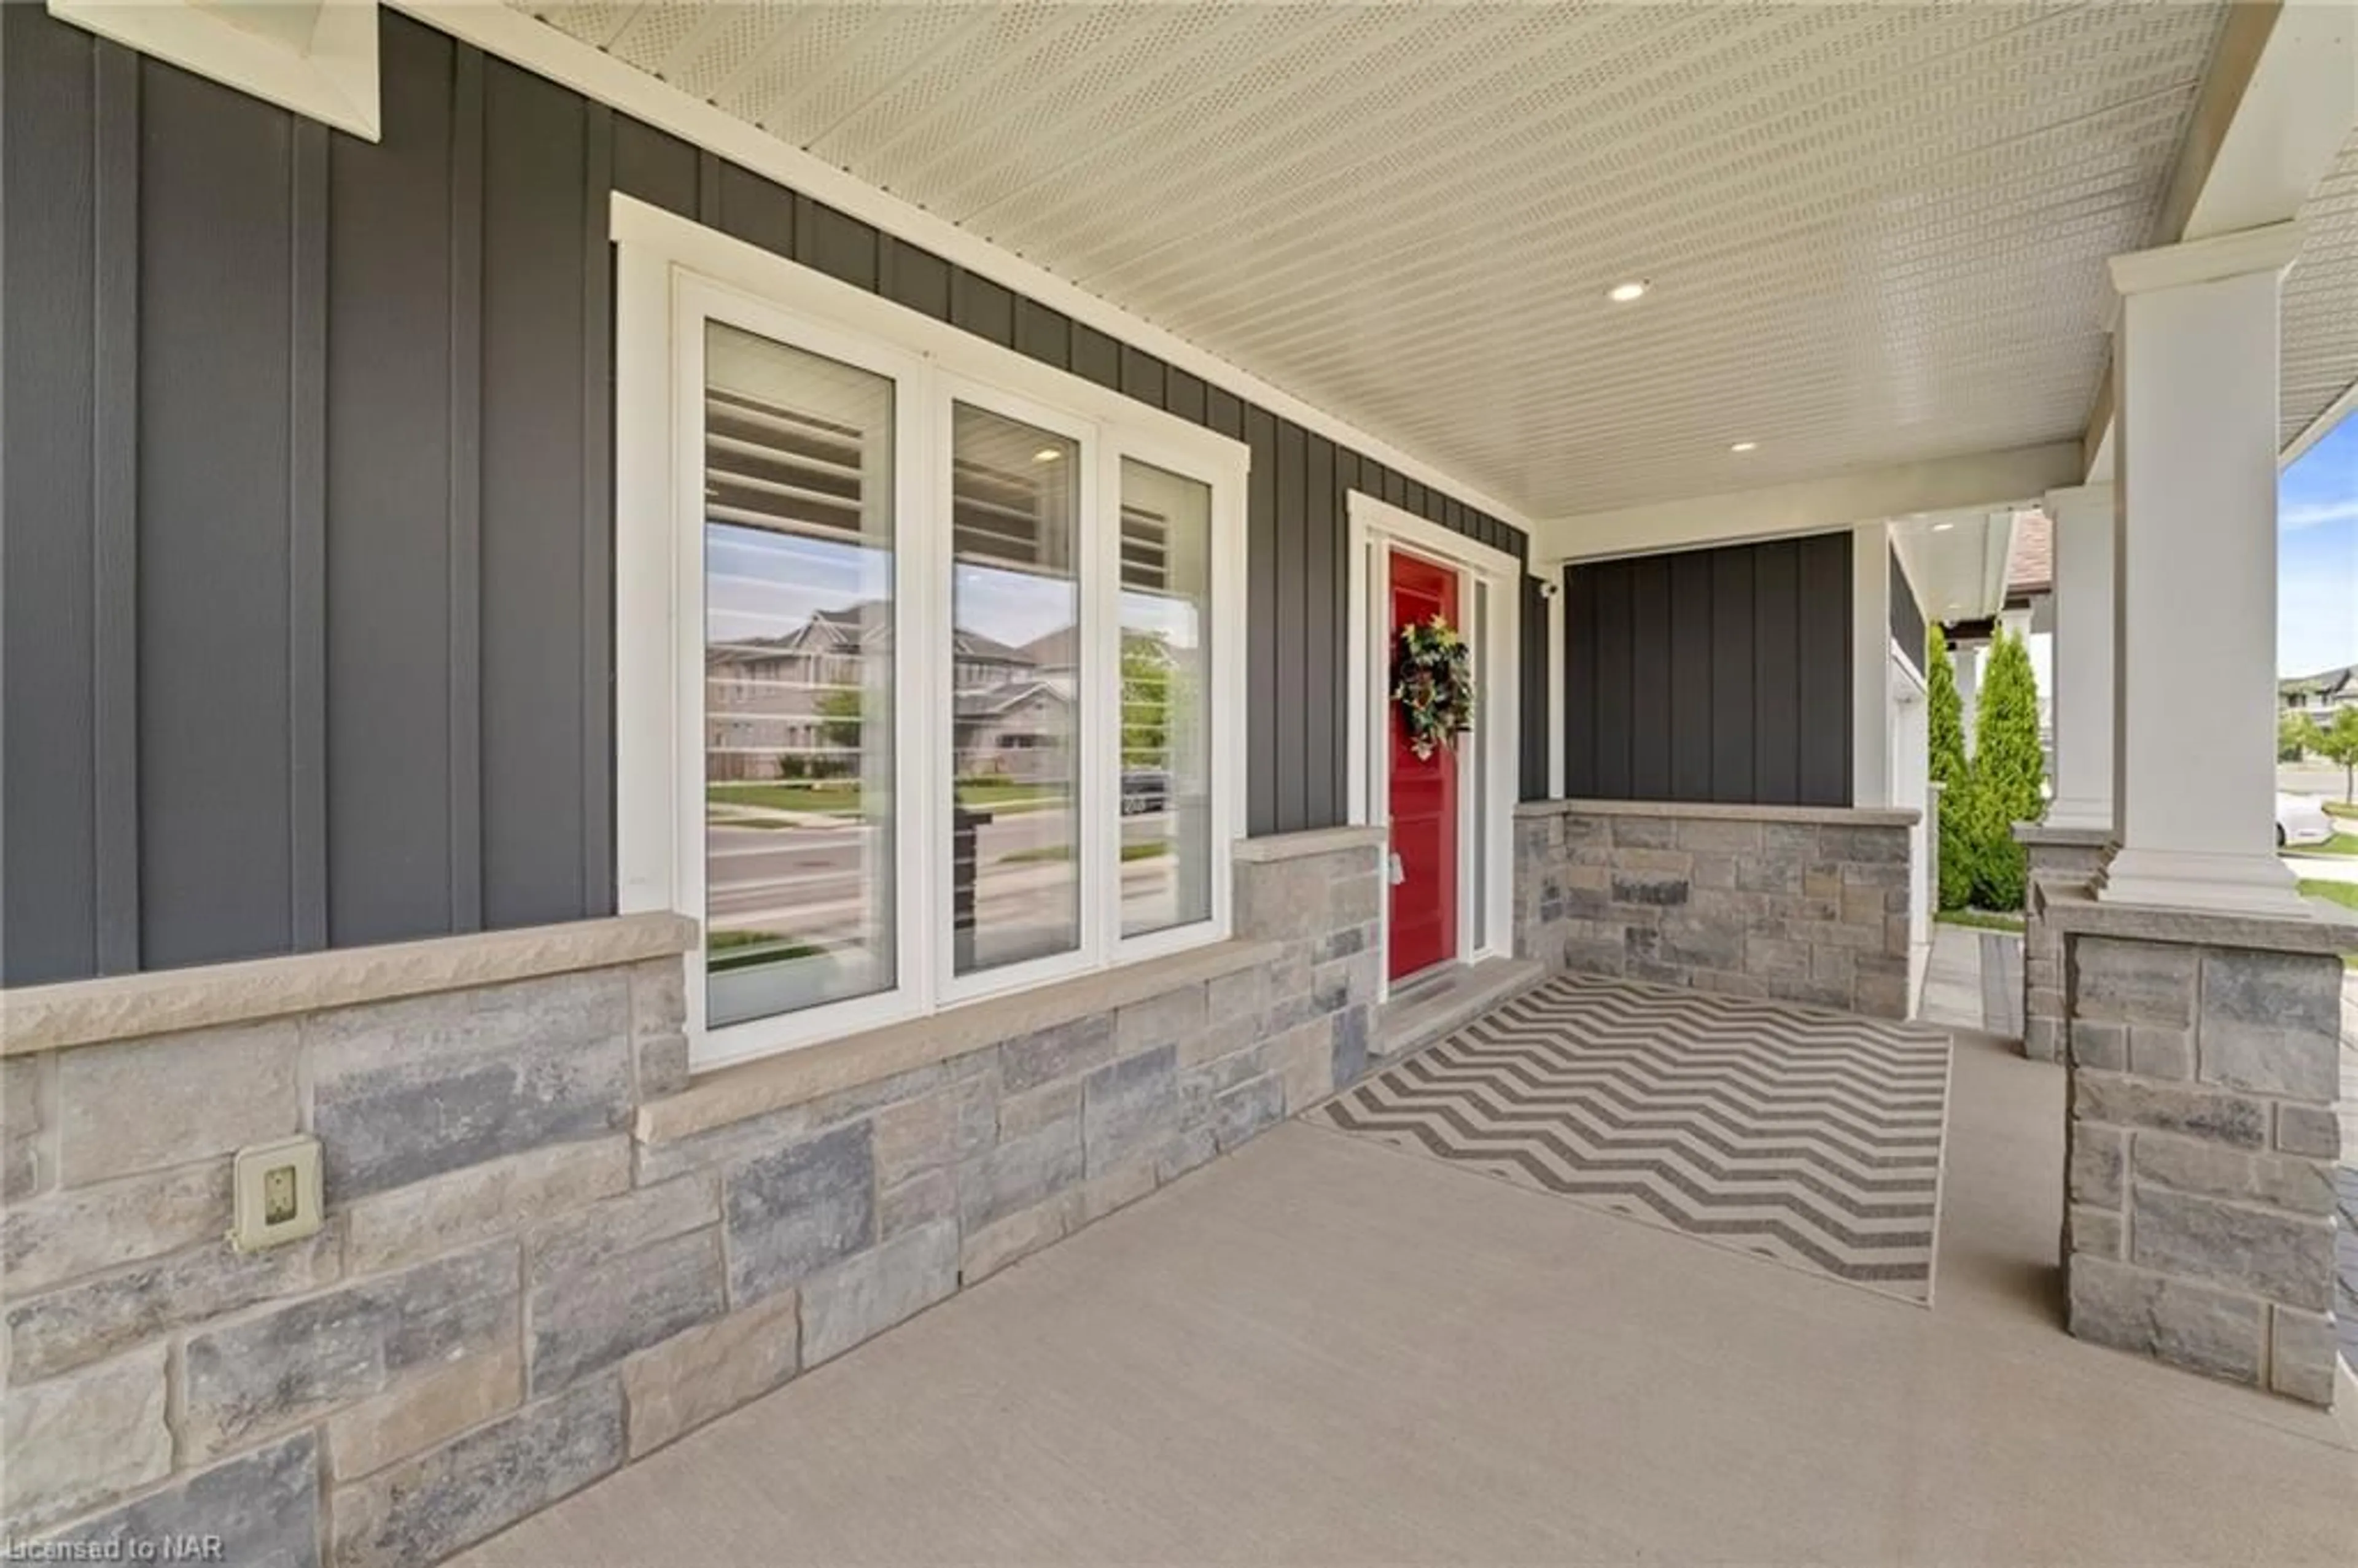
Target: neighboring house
{"points": [[2319, 695]]}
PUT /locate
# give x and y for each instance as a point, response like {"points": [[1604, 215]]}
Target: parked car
{"points": [[2301, 819], [1145, 790]]}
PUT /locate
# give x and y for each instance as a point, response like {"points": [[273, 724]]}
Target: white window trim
{"points": [[1487, 818], [333, 78], [671, 276]]}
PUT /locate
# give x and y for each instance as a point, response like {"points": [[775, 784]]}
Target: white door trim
{"points": [[1486, 881]]}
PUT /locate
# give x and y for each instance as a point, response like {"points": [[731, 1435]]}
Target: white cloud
{"points": [[2317, 514]]}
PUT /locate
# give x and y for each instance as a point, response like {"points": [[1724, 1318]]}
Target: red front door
{"points": [[1424, 930]]}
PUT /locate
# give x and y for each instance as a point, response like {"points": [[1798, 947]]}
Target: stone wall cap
{"points": [[1707, 811], [164, 1001], [2330, 930], [749, 1090], [2039, 834], [1312, 841]]}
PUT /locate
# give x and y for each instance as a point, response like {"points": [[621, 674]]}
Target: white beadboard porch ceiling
{"points": [[1874, 232]]}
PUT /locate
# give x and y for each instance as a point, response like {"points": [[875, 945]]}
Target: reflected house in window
{"points": [[788, 707]]}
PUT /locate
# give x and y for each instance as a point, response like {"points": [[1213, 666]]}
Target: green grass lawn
{"points": [[2341, 808], [2343, 894], [1145, 850], [2340, 844], [1980, 919]]}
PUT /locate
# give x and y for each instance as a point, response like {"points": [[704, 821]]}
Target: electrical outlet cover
{"points": [[276, 1188]]}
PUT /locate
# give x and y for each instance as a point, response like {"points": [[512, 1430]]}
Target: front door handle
{"points": [[1398, 871]]}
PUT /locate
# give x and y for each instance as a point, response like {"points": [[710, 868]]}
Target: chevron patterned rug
{"points": [[1807, 1137]]}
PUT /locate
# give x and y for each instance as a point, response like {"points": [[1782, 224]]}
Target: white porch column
{"points": [[2195, 476], [2083, 669]]}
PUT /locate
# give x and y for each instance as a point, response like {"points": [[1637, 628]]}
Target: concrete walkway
{"points": [[1972, 979], [1320, 1350]]}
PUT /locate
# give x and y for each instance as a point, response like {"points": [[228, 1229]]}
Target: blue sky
{"points": [[2317, 556]]}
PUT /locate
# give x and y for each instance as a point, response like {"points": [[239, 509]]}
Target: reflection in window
{"points": [[1166, 773], [798, 679], [1014, 665]]}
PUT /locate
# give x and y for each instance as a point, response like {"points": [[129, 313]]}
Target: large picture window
{"points": [[922, 690]]}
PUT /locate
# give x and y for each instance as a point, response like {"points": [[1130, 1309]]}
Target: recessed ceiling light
{"points": [[1745, 447], [1623, 293], [1942, 527], [1046, 455]]}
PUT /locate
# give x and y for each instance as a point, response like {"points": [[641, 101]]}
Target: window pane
{"points": [[1014, 669], [797, 678], [1166, 760]]}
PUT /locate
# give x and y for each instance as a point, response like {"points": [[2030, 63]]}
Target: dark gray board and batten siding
{"points": [[306, 524], [1721, 675], [1908, 620]]}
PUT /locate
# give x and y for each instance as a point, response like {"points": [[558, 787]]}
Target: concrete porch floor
{"points": [[1322, 1350]]}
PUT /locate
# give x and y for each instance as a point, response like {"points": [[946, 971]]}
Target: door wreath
{"points": [[1432, 686]]}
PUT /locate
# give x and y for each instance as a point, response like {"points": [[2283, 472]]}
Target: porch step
{"points": [[1440, 1004]]}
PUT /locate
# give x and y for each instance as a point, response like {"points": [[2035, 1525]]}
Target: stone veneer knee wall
{"points": [[1798, 904], [547, 1252], [2058, 862], [2203, 1054]]}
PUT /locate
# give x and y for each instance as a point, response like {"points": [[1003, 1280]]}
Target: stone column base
{"points": [[2059, 861], [2199, 1216]]}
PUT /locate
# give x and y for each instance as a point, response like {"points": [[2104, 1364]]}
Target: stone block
{"points": [[2158, 1052], [2302, 1357], [1235, 997], [570, 1248], [1302, 1058], [2286, 1257], [2310, 1129], [1124, 1184], [1863, 846], [1191, 1147], [28, 1165], [2271, 1022], [1356, 901], [263, 1508], [1064, 1050], [175, 1098], [1728, 985], [1690, 939], [1712, 873], [1246, 1110], [659, 1025], [2042, 1039], [2094, 1230], [1835, 966], [430, 1409], [1129, 1107], [2135, 982], [1657, 889], [431, 1507], [1642, 832], [2217, 1333], [93, 1317], [2300, 1187], [1036, 1110], [402, 1090], [2099, 1045], [2098, 1164], [1775, 956], [1016, 1235], [1200, 1087], [796, 1210], [1343, 943], [936, 1131], [262, 1374], [443, 1213], [82, 1440], [584, 1322], [1881, 996], [678, 1386], [1021, 1171], [1164, 1019], [48, 1240], [729, 1144], [921, 1200], [867, 1294], [2213, 1114], [1348, 1044], [1707, 833]]}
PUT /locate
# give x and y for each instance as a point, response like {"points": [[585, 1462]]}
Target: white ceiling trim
{"points": [[516, 37], [2333, 414], [1993, 480]]}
